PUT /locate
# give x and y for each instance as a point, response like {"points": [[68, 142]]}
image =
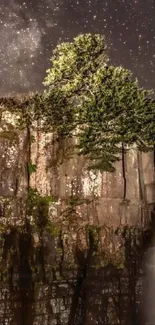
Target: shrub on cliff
{"points": [[103, 103]]}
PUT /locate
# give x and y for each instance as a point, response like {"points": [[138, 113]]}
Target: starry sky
{"points": [[30, 29]]}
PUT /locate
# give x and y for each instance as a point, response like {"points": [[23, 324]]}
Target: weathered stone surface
{"points": [[75, 259], [72, 178], [148, 176], [13, 157]]}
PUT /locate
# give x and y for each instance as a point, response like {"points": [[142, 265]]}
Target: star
{"points": [[30, 30]]}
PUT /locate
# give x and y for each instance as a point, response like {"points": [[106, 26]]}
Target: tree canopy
{"points": [[103, 103]]}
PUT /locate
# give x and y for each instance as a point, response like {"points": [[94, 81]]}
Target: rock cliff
{"points": [[72, 241]]}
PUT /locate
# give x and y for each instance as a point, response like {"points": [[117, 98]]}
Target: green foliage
{"points": [[32, 195], [115, 114], [53, 228], [38, 206], [102, 103], [31, 168], [73, 62]]}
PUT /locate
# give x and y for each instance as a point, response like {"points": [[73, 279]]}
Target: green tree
{"points": [[103, 103], [68, 80], [74, 62], [116, 113]]}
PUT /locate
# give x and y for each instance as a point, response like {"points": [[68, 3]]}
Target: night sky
{"points": [[30, 30]]}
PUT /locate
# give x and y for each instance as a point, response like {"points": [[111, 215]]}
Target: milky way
{"points": [[30, 30]]}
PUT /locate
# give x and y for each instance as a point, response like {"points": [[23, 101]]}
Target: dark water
{"points": [[37, 291]]}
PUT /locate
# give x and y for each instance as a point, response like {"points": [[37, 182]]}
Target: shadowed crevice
{"points": [[124, 171]]}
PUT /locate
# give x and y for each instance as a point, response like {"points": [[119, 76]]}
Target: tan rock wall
{"points": [[69, 286], [71, 178]]}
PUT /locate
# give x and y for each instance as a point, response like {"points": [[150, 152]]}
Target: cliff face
{"points": [[71, 240]]}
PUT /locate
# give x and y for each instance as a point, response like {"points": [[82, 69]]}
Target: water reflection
{"points": [[148, 295]]}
